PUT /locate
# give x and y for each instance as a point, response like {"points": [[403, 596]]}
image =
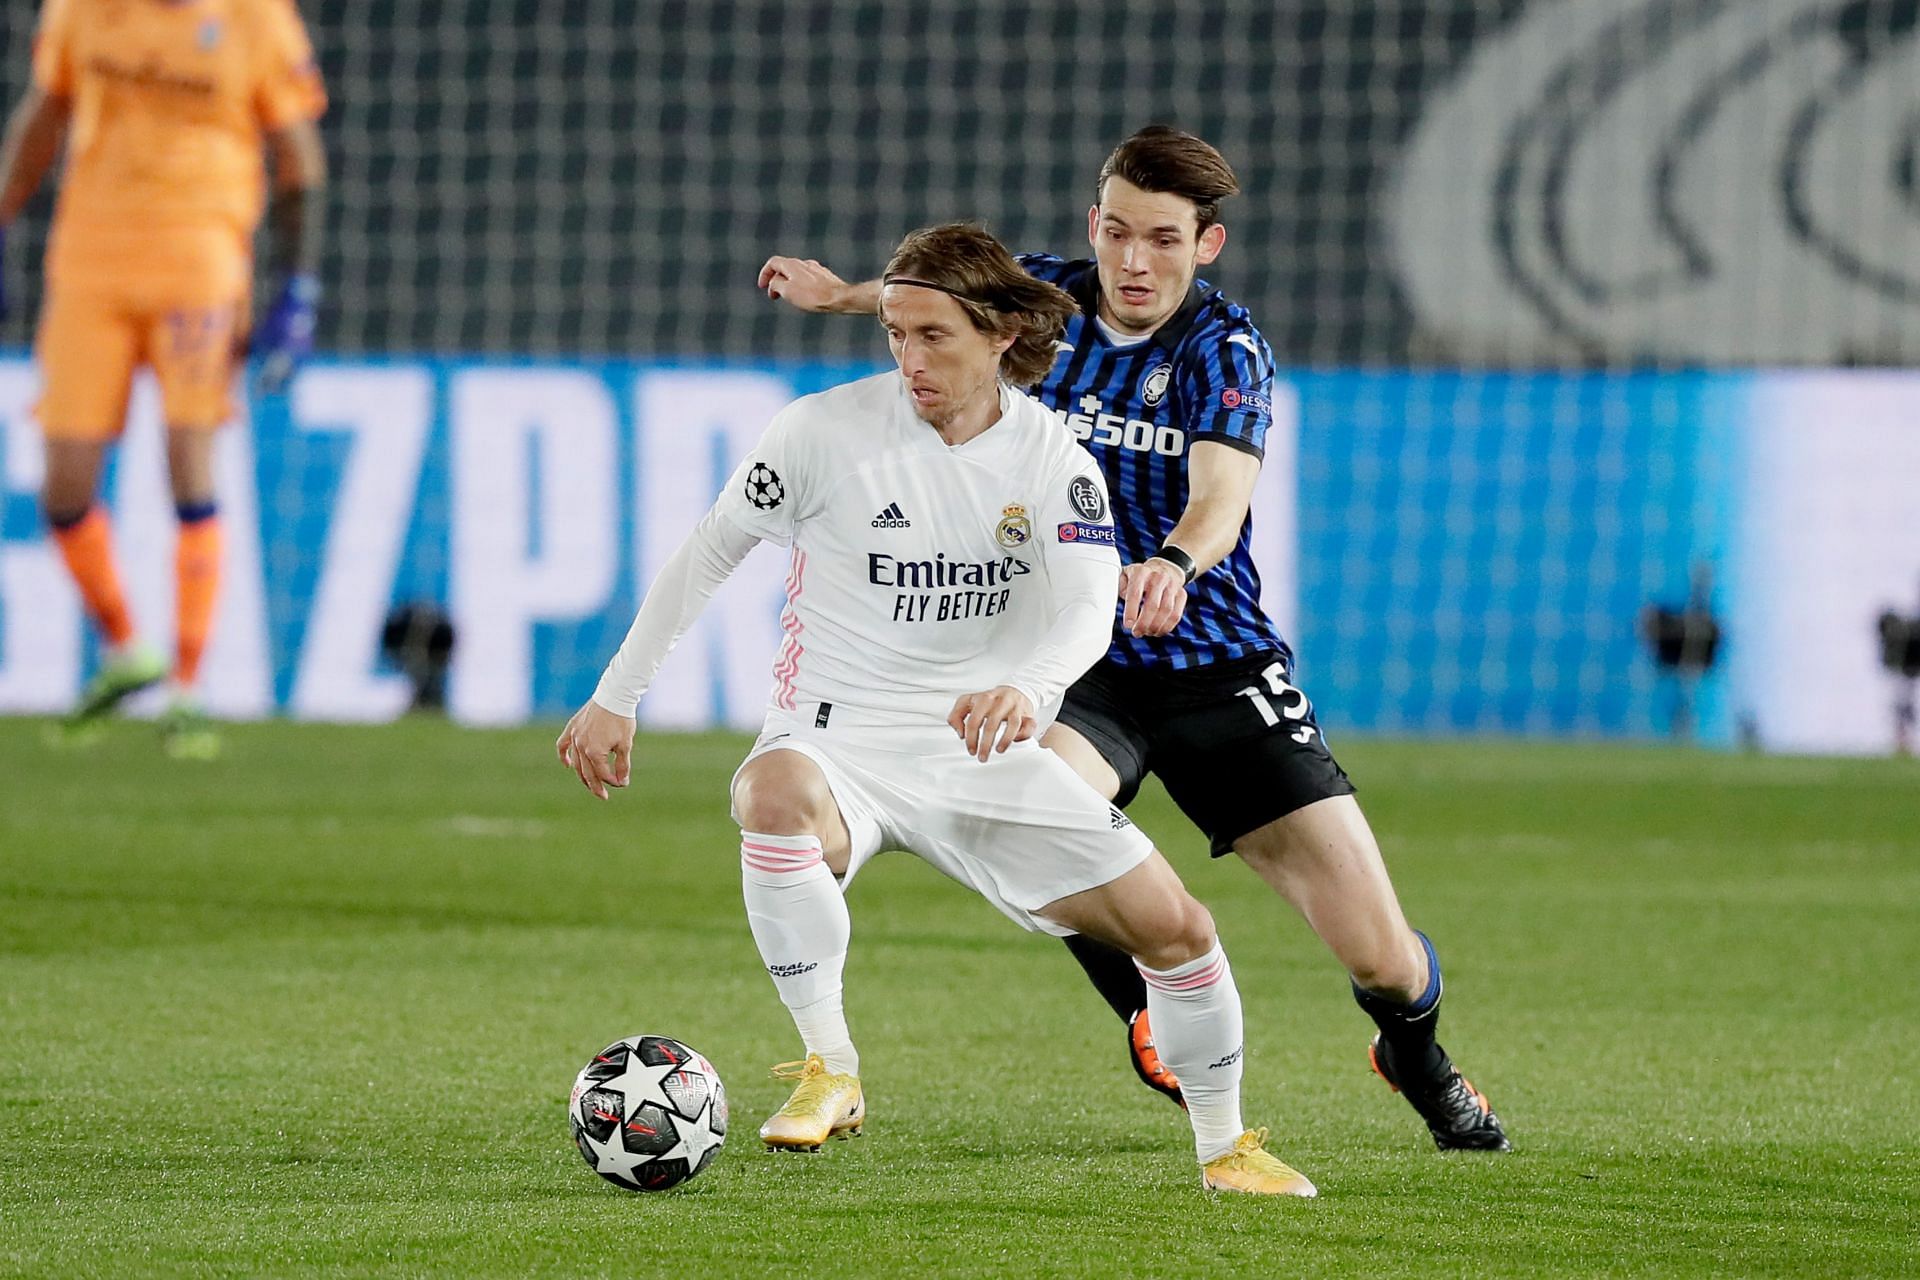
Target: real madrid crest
{"points": [[1014, 529], [1155, 388]]}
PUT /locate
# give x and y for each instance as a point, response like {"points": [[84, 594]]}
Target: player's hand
{"points": [[1155, 593], [285, 337], [597, 745], [802, 282], [993, 721]]}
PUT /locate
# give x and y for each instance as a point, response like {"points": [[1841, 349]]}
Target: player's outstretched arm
{"points": [[285, 336], [1220, 482], [32, 144], [35, 130], [597, 743], [804, 283]]}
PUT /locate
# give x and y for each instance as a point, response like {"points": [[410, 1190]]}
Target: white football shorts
{"points": [[1022, 829]]}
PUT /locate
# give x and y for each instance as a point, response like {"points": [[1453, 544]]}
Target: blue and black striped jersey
{"points": [[1206, 374]]}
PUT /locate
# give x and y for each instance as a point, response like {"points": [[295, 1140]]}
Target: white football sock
{"points": [[801, 926], [1195, 1012], [823, 1029]]}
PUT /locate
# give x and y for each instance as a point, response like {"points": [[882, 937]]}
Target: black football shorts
{"points": [[1234, 743]]}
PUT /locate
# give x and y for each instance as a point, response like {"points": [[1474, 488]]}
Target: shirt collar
{"points": [[1085, 289]]}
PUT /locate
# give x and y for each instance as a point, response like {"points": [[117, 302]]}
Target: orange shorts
{"points": [[101, 323]]}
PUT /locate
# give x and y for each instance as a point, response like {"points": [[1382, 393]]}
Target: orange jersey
{"points": [[171, 104]]}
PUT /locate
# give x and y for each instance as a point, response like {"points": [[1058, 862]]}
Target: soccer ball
{"points": [[648, 1113]]}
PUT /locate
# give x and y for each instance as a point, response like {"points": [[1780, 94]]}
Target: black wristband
{"points": [[1178, 559]]}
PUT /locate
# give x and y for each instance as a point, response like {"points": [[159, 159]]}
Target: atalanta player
{"points": [[1169, 385]]}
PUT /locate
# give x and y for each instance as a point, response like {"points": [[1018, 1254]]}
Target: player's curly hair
{"points": [[962, 260]]}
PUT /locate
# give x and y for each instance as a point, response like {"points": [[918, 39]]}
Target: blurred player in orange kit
{"points": [[165, 108]]}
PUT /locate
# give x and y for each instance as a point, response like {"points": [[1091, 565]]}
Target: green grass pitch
{"points": [[314, 1010]]}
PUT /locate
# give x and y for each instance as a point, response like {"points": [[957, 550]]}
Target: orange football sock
{"points": [[196, 570], [87, 546]]}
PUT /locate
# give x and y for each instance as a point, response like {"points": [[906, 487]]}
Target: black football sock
{"points": [[1112, 972], [1409, 1032]]}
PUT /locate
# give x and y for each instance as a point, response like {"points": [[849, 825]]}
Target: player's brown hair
{"points": [[1162, 158], [961, 260]]}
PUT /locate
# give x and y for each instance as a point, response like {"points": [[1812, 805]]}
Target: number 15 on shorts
{"points": [[1280, 702]]}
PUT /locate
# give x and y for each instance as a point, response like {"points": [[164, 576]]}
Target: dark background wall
{"points": [[584, 176], [1482, 182]]}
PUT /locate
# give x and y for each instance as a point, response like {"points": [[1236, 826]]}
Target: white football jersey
{"points": [[919, 571]]}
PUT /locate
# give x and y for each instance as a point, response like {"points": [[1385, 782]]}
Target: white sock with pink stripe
{"points": [[1195, 1012], [801, 926]]}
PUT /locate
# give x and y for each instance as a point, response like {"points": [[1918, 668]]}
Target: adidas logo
{"points": [[892, 518], [1120, 820]]}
